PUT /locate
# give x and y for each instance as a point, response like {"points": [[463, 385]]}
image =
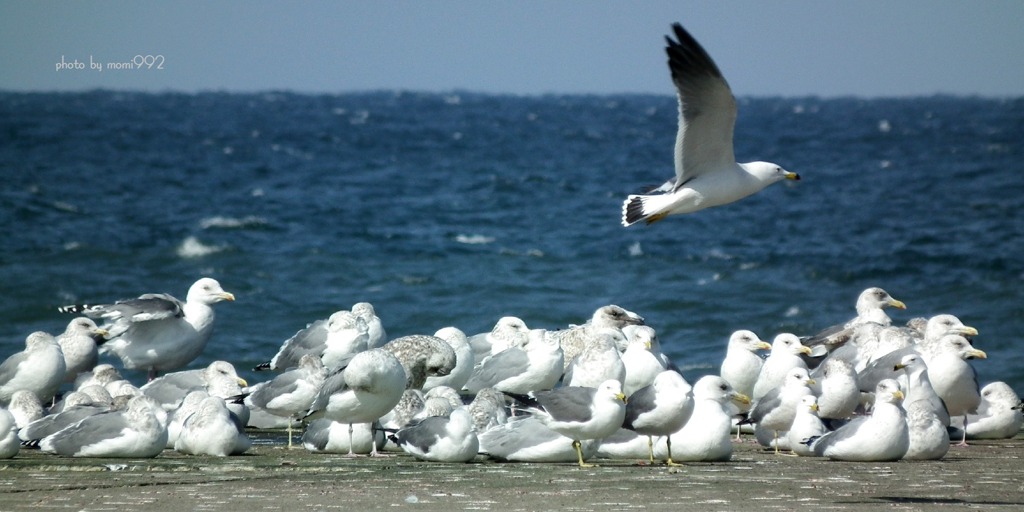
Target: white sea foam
{"points": [[191, 247], [231, 222], [474, 239], [635, 250]]}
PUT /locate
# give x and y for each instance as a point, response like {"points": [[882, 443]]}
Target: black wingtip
{"points": [[686, 54], [526, 400], [262, 367], [634, 211]]}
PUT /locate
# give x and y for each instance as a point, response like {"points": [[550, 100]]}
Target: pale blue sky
{"points": [[790, 48]]}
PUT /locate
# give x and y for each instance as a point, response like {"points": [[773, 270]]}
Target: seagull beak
{"points": [[805, 350], [976, 354], [762, 345], [792, 176], [621, 396], [230, 297], [101, 332], [965, 331], [898, 395], [811, 382], [647, 345], [242, 382], [899, 366], [814, 407], [898, 304], [741, 399]]}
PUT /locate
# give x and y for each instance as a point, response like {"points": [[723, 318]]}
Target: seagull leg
{"points": [[963, 441], [669, 461], [350, 436], [290, 432], [776, 443], [579, 453], [373, 440], [650, 447]]}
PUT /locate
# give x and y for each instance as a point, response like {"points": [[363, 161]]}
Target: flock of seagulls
{"points": [[862, 390]]}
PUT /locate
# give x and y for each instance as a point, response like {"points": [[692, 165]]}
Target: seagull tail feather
{"points": [[647, 208]]}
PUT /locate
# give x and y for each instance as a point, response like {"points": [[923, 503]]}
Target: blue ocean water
{"points": [[457, 209]]}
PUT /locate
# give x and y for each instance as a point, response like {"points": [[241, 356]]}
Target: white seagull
{"points": [[707, 173], [579, 413], [157, 332]]}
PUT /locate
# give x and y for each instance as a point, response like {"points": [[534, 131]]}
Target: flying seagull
{"points": [[707, 173]]}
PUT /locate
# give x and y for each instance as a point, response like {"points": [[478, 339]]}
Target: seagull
{"points": [[806, 425], [929, 439], [527, 439], [488, 409], [576, 338], [310, 340], [836, 388], [785, 355], [707, 173], [369, 387], [210, 431], [38, 369], [642, 366], [440, 438], [998, 416], [883, 436], [742, 364], [776, 409], [579, 412], [77, 406], [870, 313], [422, 356], [25, 407], [9, 442], [952, 377], [375, 329], [292, 393], [706, 436], [79, 343], [660, 409], [328, 436], [535, 367], [347, 335], [170, 389], [156, 331], [464, 359], [598, 362], [134, 432]]}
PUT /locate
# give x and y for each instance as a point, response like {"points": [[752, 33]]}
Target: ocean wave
{"points": [[221, 222], [191, 247], [474, 239]]}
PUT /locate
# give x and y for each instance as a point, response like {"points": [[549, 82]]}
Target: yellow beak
{"points": [[975, 353]]}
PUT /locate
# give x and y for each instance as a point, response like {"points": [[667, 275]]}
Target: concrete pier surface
{"points": [[985, 475]]}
